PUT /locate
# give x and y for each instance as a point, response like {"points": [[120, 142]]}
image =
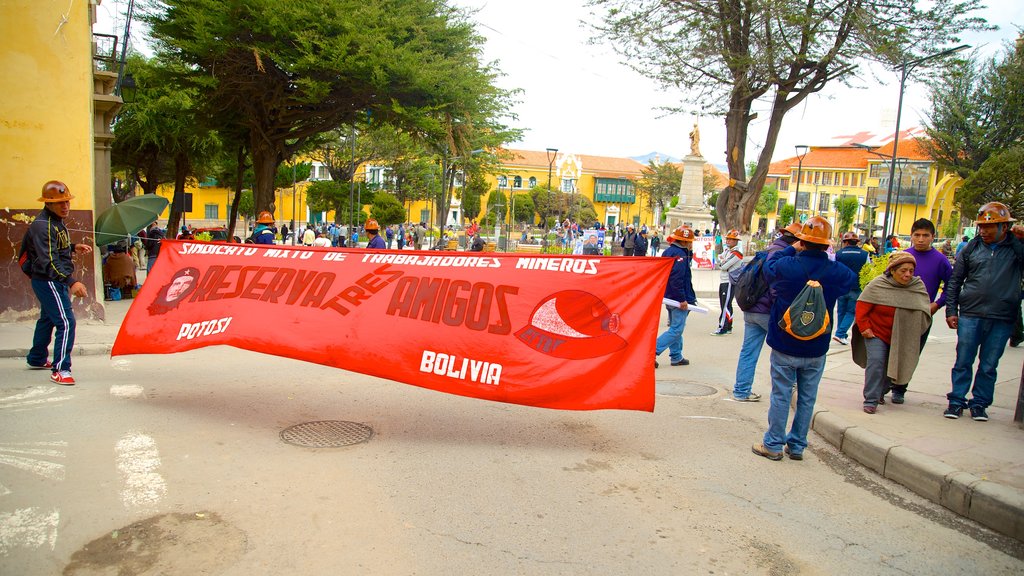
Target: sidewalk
{"points": [[973, 468]]}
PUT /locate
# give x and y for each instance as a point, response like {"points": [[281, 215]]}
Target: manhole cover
{"points": [[327, 434], [679, 388]]}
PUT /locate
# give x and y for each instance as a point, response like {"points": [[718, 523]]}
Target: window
{"points": [[783, 183], [803, 201], [817, 177], [324, 173], [846, 178], [533, 182], [568, 184], [826, 178], [502, 181], [212, 212], [823, 203], [782, 203], [517, 181]]}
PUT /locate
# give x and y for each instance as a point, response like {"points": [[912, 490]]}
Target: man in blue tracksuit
{"points": [[49, 251], [680, 289], [854, 257], [264, 232], [796, 362]]}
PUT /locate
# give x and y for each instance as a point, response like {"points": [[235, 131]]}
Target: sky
{"points": [[579, 97]]}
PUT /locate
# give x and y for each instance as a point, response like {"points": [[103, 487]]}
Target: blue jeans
{"points": [[805, 373], [55, 315], [755, 328], [972, 333], [846, 312], [673, 337]]}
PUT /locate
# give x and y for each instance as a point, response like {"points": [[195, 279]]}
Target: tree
{"points": [[1000, 178], [497, 207], [846, 207], [476, 186], [768, 201], [731, 54], [289, 71], [658, 185], [546, 202], [524, 210], [976, 112], [386, 210], [787, 215]]}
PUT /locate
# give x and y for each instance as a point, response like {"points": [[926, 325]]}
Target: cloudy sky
{"points": [[579, 98]]}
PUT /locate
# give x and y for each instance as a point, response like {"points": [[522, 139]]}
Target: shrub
{"points": [[874, 267]]}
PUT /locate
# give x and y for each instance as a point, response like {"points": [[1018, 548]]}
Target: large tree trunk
{"points": [[266, 156], [729, 206], [239, 178], [181, 170]]}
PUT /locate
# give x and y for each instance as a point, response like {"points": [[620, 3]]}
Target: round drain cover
{"points": [[327, 434], [680, 388]]}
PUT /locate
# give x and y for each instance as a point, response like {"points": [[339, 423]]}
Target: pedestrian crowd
{"points": [[798, 296]]}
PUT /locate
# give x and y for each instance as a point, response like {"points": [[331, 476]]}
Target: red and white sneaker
{"points": [[63, 378], [46, 366]]}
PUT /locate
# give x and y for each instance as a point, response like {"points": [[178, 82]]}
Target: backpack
{"points": [[23, 257], [750, 283], [808, 315]]}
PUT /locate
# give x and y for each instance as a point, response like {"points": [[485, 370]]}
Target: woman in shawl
{"points": [[893, 315]]}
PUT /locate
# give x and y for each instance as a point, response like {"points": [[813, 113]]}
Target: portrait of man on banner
{"points": [[174, 292], [593, 242]]}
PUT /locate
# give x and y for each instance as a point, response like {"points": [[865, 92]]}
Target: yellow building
{"points": [[54, 125], [920, 189]]}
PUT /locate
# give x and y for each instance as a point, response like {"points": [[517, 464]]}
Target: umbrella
{"points": [[128, 217]]}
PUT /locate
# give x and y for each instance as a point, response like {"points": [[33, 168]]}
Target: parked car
{"points": [[218, 234]]}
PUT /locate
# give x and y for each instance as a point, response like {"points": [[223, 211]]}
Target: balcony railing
{"points": [[104, 51]]}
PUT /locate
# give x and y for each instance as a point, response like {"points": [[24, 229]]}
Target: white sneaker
{"points": [[843, 341]]}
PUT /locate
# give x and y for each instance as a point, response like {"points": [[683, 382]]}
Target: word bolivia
{"points": [[473, 370]]}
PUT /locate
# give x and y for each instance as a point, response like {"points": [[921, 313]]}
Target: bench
{"points": [[490, 247], [452, 245], [528, 248]]}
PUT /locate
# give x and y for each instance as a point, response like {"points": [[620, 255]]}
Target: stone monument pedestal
{"points": [[690, 209]]}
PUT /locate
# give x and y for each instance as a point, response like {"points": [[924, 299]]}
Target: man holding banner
{"points": [[678, 289]]}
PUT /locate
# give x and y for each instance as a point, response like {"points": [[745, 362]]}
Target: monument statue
{"points": [[695, 141]]}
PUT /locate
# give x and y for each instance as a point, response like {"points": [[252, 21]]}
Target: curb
{"points": [[78, 350], [991, 504]]}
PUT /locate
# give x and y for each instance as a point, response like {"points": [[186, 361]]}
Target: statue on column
{"points": [[695, 140]]}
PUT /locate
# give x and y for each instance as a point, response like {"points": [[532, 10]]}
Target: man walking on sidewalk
{"points": [[755, 325], [49, 250], [680, 289], [982, 302], [795, 361], [730, 263], [854, 258]]}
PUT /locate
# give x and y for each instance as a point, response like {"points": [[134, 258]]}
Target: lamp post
{"points": [[888, 198], [905, 69], [552, 154], [801, 151]]}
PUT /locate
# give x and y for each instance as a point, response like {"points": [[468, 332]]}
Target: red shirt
{"points": [[878, 318]]}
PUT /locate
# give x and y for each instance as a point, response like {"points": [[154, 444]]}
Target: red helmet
{"points": [[265, 218], [994, 213], [847, 236], [733, 235], [794, 228], [371, 224]]}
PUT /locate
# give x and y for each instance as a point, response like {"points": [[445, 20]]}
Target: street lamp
{"points": [[888, 199], [552, 154], [801, 151], [905, 69]]}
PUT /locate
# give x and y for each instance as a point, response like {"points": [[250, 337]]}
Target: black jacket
{"points": [[986, 280], [50, 249]]}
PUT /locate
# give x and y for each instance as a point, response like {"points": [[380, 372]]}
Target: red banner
{"points": [[574, 333]]}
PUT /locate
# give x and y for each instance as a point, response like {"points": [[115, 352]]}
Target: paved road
{"points": [[175, 465]]}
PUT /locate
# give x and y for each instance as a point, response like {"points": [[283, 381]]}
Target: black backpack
{"points": [[24, 259], [751, 284]]}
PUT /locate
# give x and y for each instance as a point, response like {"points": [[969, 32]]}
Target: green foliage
{"points": [[768, 201], [523, 209], [245, 205], [787, 215], [386, 209], [204, 237], [976, 112], [951, 227], [659, 185], [327, 195], [289, 173], [874, 267], [476, 186], [846, 207], [547, 203], [497, 207], [1000, 178]]}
